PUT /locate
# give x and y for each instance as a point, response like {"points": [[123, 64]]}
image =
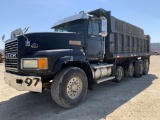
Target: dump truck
{"points": [[83, 50]]}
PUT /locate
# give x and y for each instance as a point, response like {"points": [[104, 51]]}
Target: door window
{"points": [[93, 28], [90, 28]]}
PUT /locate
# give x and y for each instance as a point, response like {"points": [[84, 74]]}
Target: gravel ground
{"points": [[133, 99]]}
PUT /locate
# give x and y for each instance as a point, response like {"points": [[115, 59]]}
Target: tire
{"points": [[61, 88], [145, 66], [138, 68], [129, 70], [119, 74]]}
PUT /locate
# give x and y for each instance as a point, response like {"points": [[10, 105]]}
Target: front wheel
{"points": [[69, 87]]}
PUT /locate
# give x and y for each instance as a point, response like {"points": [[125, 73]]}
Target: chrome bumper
{"points": [[23, 83]]}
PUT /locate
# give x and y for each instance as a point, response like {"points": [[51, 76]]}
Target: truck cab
{"points": [[91, 28]]}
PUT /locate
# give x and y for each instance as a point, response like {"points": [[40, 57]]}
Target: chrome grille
{"points": [[11, 56]]}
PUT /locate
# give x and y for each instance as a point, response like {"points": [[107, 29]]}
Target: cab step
{"points": [[105, 79]]}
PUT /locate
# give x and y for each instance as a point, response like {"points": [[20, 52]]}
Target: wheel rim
{"points": [[131, 70], [74, 87], [119, 74], [141, 68], [146, 66]]}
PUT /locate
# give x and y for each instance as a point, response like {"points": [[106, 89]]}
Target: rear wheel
{"points": [[138, 68], [69, 87], [129, 71], [119, 74], [145, 66]]}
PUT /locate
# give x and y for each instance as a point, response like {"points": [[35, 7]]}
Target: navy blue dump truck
{"points": [[83, 50]]}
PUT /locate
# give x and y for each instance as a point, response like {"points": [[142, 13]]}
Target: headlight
{"points": [[37, 63], [30, 64]]}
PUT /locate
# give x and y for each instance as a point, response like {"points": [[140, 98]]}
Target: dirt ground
{"points": [[133, 99]]}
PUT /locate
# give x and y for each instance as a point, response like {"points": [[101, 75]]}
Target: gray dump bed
{"points": [[124, 39]]}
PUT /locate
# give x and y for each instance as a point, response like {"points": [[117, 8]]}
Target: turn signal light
{"points": [[42, 63]]}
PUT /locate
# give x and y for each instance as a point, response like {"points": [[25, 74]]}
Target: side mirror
{"points": [[3, 37], [103, 34], [104, 27]]}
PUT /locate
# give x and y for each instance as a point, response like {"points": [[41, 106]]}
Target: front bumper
{"points": [[23, 83]]}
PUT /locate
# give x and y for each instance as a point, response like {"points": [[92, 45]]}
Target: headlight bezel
{"points": [[35, 67]]}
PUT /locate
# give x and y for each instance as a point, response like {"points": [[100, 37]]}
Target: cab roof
{"points": [[81, 15]]}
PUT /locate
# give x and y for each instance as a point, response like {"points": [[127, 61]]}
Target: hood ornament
{"points": [[24, 31]]}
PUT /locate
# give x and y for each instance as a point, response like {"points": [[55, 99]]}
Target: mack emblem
{"points": [[11, 55], [34, 45]]}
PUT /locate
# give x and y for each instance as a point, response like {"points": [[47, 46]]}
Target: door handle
{"points": [[93, 36]]}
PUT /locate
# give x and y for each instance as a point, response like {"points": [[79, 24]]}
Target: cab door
{"points": [[95, 43]]}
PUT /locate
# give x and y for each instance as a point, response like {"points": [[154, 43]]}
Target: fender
{"points": [[60, 56], [83, 64], [66, 59]]}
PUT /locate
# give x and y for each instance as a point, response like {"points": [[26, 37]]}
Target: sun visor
{"points": [[81, 15]]}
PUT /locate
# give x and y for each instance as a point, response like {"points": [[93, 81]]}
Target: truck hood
{"points": [[49, 41]]}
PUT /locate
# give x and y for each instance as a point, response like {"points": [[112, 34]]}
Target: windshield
{"points": [[73, 26]]}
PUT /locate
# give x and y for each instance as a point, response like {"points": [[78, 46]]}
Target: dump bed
{"points": [[124, 39]]}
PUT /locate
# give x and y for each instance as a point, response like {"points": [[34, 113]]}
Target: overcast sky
{"points": [[40, 15]]}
